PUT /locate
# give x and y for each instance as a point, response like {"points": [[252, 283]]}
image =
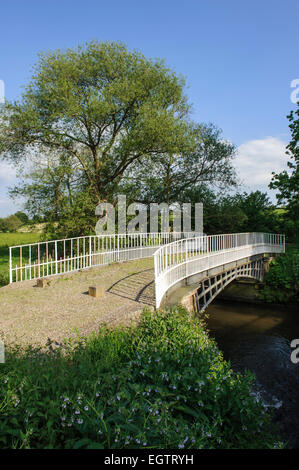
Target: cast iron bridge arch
{"points": [[211, 286], [213, 262]]}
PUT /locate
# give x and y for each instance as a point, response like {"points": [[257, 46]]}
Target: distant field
{"points": [[10, 239], [35, 228]]}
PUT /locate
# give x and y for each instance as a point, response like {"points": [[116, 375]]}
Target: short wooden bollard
{"points": [[96, 291], [41, 283]]}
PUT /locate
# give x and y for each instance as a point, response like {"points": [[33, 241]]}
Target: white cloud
{"points": [[257, 159]]}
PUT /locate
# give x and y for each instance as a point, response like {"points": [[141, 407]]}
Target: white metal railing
{"points": [[49, 258], [185, 257]]}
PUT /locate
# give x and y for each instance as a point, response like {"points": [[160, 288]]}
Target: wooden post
{"points": [[94, 291], [41, 283]]}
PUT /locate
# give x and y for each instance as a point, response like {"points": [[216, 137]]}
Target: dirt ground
{"points": [[30, 314]]}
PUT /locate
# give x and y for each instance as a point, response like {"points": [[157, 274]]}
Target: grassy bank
{"points": [[10, 239], [163, 384]]}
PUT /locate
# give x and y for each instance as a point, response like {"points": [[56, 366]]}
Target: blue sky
{"points": [[238, 58]]}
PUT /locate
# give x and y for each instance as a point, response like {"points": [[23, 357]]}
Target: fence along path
{"points": [[183, 258], [50, 258]]}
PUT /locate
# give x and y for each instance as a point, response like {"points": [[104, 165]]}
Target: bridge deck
{"points": [[31, 315]]}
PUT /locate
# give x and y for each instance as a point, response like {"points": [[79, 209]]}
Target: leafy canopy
{"points": [[166, 177], [287, 183], [99, 108]]}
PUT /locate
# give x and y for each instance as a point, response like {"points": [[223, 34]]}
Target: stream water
{"points": [[258, 337]]}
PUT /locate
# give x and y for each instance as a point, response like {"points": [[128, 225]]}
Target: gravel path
{"points": [[31, 315]]}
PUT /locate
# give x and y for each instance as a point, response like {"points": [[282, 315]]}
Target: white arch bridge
{"points": [[179, 258], [213, 261]]}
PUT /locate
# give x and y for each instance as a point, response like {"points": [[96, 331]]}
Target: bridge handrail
{"points": [[54, 257], [182, 258]]}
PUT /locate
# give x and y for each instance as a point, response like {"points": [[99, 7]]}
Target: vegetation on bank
{"points": [[282, 280], [162, 384]]}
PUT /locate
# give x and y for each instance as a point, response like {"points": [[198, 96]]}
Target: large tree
{"points": [[88, 114], [166, 177], [287, 182]]}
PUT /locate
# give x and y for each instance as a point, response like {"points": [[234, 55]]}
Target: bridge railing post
{"points": [[10, 265]]}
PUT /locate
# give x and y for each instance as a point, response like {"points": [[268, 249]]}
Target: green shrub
{"points": [[163, 384], [4, 279], [10, 224], [282, 280]]}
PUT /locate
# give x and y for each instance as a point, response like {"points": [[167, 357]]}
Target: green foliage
{"points": [[10, 223], [287, 182], [163, 384], [260, 213], [13, 222], [165, 177], [4, 277], [22, 217], [75, 219], [90, 112], [243, 212], [282, 280]]}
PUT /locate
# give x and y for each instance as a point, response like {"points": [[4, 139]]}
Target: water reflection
{"points": [[257, 338]]}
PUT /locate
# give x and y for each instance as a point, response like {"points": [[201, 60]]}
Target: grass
{"points": [[162, 384], [11, 239]]}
